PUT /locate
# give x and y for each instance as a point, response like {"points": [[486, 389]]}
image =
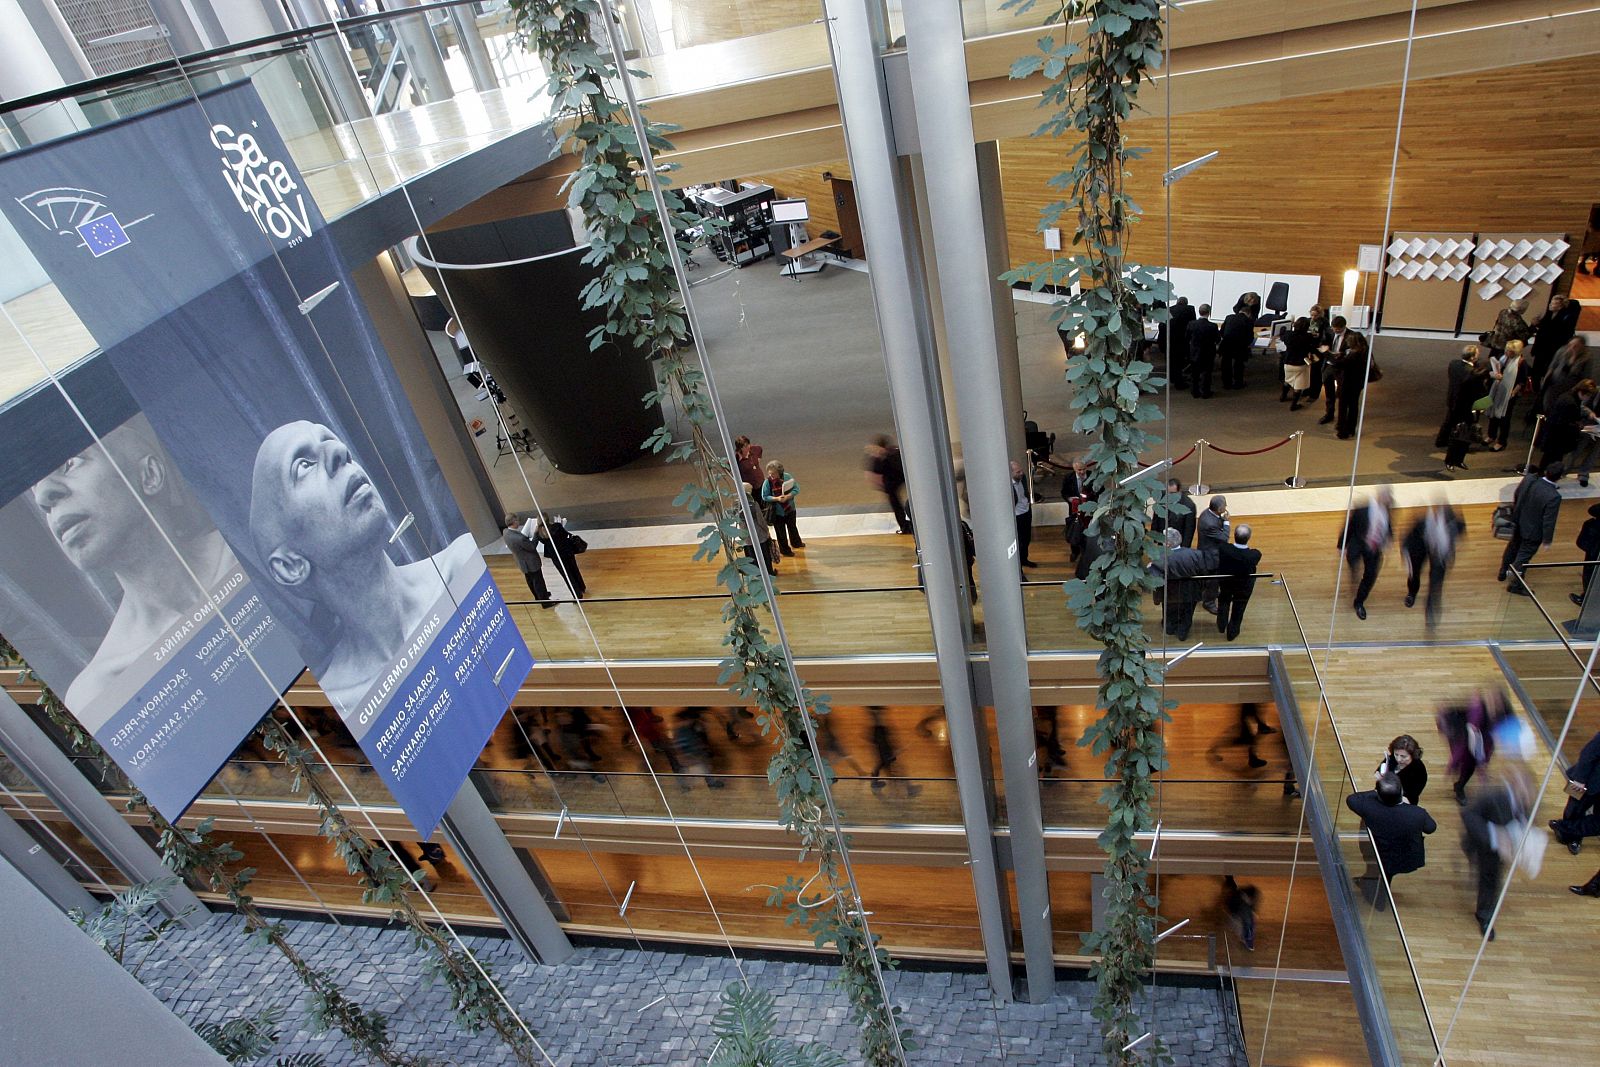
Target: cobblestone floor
{"points": [[613, 1006]]}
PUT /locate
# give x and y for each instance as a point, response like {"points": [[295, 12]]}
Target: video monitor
{"points": [[790, 211]]}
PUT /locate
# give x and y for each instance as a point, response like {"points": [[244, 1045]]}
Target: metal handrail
{"points": [[183, 62], [1350, 774]]}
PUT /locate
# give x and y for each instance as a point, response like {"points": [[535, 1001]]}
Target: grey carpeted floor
{"points": [[800, 370]]}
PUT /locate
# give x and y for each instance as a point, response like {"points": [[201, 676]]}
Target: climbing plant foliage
{"points": [[192, 852], [1094, 63], [644, 314]]}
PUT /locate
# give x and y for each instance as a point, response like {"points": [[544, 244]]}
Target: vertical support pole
{"points": [[935, 50], [1295, 481], [476, 53], [31, 860], [57, 778], [997, 251], [494, 865], [415, 37], [1200, 488], [915, 394], [332, 63]]}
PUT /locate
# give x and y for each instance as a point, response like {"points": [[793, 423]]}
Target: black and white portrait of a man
{"points": [[98, 506], [322, 532]]}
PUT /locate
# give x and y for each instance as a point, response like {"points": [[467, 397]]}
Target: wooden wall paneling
{"points": [[1480, 314], [697, 22], [1301, 182], [1418, 304], [808, 183]]}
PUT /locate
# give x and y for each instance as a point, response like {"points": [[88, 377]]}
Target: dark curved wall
{"points": [[527, 326]]}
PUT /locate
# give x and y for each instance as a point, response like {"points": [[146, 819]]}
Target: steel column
{"points": [[56, 776], [935, 50], [494, 865], [911, 363], [18, 848], [473, 50]]}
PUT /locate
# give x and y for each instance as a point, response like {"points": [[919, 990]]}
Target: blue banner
{"points": [[188, 244]]}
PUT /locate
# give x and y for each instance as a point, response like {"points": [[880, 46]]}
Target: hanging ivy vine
{"points": [[638, 292], [1092, 85], [191, 852]]}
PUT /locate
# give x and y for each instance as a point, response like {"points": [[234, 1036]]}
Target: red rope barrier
{"points": [[1251, 452], [1185, 456]]}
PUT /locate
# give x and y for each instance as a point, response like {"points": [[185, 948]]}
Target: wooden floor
{"points": [[1515, 1011], [838, 607], [1310, 1024]]}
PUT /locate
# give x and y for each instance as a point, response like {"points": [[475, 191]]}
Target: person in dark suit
{"points": [[1534, 510], [1238, 334], [1494, 812], [1238, 563], [1203, 337], [1338, 336], [561, 546], [1580, 819], [1354, 367], [1179, 515], [1431, 541], [1458, 398], [1179, 318], [1553, 329], [525, 551], [1368, 531], [1180, 566], [1397, 828]]}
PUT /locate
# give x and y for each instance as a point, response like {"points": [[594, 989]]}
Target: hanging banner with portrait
{"points": [[208, 276], [117, 589]]}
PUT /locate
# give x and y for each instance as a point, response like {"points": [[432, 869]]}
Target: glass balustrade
{"points": [[1381, 922]]}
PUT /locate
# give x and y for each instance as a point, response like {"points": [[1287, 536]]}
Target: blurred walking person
{"points": [[1240, 902], [693, 742], [883, 746], [887, 474], [1493, 827], [1367, 533], [1431, 541]]}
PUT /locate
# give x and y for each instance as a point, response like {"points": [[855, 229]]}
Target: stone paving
{"points": [[616, 1006]]}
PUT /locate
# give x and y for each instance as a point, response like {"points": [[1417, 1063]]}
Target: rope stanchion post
{"points": [[1200, 488], [1294, 481], [1527, 464]]}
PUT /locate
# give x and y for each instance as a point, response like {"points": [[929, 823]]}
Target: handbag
{"points": [[1502, 523], [1373, 373], [579, 545]]}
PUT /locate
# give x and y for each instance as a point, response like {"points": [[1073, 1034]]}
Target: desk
{"points": [[798, 252]]}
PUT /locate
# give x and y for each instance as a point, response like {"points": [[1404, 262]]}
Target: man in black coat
{"points": [[1458, 376], [1332, 362], [1495, 811], [1397, 828], [1180, 566], [1180, 514], [525, 552], [562, 548], [1557, 326], [1176, 329], [1238, 563], [1238, 334], [1580, 819], [1203, 337], [1534, 510], [1431, 543], [1368, 531]]}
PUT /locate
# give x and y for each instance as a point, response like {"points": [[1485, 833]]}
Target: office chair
{"points": [[1276, 307]]}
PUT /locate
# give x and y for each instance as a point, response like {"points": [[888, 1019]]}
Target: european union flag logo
{"points": [[103, 234]]}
